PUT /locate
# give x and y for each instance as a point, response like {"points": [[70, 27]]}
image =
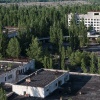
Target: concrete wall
{"points": [[21, 69], [55, 84], [32, 91], [39, 91]]}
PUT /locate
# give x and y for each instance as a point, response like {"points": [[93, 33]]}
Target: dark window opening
{"points": [[5, 78], [96, 13], [47, 89], [59, 83], [10, 76], [24, 92], [56, 84]]}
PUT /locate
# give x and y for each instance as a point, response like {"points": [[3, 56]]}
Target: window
{"points": [[59, 82], [66, 78], [5, 78], [56, 84], [26, 69], [96, 13], [24, 92], [47, 90], [10, 76]]}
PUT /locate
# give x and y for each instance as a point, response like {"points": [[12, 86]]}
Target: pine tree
{"points": [[93, 63], [62, 58], [45, 62], [50, 66], [83, 66], [98, 65], [83, 34], [2, 94], [34, 51], [0, 40], [13, 49]]}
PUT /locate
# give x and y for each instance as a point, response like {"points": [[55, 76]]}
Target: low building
{"points": [[9, 70], [11, 31], [41, 83]]}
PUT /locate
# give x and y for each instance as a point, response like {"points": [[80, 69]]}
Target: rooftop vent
{"points": [[36, 73], [28, 80]]}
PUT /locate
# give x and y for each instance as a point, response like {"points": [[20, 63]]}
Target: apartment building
{"points": [[90, 19]]}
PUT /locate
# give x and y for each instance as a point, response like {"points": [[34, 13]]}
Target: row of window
{"points": [[93, 19], [92, 24], [20, 72], [9, 77]]}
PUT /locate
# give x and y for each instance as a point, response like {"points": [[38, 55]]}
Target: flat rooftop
{"points": [[42, 78], [6, 66], [89, 86]]}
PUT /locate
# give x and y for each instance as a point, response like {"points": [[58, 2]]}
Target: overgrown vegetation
{"points": [[9, 1], [35, 22]]}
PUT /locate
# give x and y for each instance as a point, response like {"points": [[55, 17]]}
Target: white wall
{"points": [[54, 85], [32, 91], [88, 16], [41, 92]]}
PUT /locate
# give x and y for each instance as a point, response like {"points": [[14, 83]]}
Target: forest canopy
{"points": [[9, 1]]}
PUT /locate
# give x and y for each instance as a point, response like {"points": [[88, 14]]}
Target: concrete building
{"points": [[90, 19], [41, 83], [10, 70], [10, 31]]}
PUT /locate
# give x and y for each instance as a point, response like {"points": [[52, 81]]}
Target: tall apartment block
{"points": [[90, 19]]}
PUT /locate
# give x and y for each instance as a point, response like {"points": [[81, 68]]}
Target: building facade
{"points": [[41, 83], [90, 19], [8, 76]]}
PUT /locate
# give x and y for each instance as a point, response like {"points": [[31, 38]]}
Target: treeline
{"points": [[84, 61], [94, 1], [34, 22], [16, 1]]}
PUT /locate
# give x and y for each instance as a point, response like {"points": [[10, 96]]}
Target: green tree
{"points": [[98, 65], [98, 40], [93, 63], [83, 65], [62, 58], [13, 49], [2, 94], [34, 51], [73, 33], [45, 62], [68, 51], [83, 34], [0, 41], [51, 63]]}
